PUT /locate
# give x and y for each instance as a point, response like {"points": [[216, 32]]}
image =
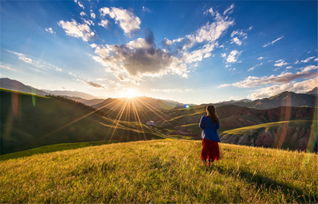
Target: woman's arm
{"points": [[201, 124]]}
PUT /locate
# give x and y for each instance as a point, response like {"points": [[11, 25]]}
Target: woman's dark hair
{"points": [[212, 114]]}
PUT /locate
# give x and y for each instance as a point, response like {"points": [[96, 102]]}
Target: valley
{"points": [[30, 120]]}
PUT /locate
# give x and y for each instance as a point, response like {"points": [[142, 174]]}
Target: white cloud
{"points": [[238, 36], [49, 30], [209, 11], [93, 45], [82, 13], [199, 54], [273, 41], [7, 67], [39, 64], [93, 15], [253, 81], [104, 23], [88, 21], [239, 33], [142, 58], [42, 65], [298, 87], [307, 59], [79, 4], [74, 29], [21, 57], [170, 42], [228, 10], [253, 67], [236, 41], [171, 90], [260, 58], [210, 32], [232, 57], [127, 21], [280, 63], [289, 67]]}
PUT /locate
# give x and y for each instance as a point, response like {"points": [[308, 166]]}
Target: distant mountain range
{"points": [[141, 103], [81, 97], [11, 84], [231, 117], [28, 121], [15, 85], [72, 94], [283, 99], [314, 91]]}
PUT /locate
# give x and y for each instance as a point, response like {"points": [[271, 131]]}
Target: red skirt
{"points": [[210, 150]]}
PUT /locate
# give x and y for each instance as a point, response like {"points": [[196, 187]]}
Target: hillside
{"points": [[295, 135], [160, 171], [147, 108], [75, 94], [11, 84], [232, 117], [283, 99], [144, 118], [88, 102], [286, 98], [145, 103], [7, 83], [314, 91], [30, 121]]}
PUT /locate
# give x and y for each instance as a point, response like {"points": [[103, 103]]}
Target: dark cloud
{"points": [[96, 85], [138, 57]]}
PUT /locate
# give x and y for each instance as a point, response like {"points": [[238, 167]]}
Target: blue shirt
{"points": [[209, 129]]}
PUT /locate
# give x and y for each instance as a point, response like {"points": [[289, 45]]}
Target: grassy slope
{"points": [[21, 92], [242, 130], [51, 148], [34, 121], [160, 171], [231, 117]]}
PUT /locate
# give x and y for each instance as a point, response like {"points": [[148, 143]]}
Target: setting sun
{"points": [[130, 93]]}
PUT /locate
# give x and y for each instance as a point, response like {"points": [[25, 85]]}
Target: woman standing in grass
{"points": [[210, 138]]}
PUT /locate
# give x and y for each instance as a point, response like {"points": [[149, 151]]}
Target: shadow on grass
{"points": [[289, 191]]}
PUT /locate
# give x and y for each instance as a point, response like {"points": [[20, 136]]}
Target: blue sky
{"points": [[189, 51]]}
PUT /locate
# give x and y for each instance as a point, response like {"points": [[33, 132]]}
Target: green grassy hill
{"points": [[29, 120], [232, 116], [160, 171]]}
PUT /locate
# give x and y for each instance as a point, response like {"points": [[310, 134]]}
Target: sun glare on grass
{"points": [[130, 93]]}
